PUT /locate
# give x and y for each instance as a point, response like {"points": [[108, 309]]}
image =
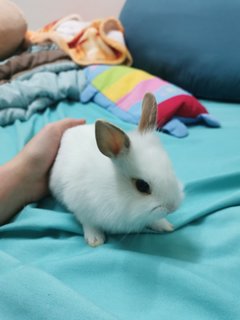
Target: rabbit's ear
{"points": [[148, 119], [111, 141]]}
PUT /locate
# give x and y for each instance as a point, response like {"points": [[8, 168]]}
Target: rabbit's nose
{"points": [[171, 208], [175, 203]]}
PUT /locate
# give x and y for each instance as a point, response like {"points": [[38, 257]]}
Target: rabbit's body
{"points": [[118, 189]]}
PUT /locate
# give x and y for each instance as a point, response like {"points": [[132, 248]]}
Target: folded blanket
{"points": [[98, 41], [22, 98], [121, 89], [27, 61]]}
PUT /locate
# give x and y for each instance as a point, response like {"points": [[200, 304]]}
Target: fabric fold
{"points": [[28, 61], [21, 99], [99, 41]]}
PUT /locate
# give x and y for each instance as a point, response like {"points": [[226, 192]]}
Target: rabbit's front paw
{"points": [[162, 225], [94, 237]]}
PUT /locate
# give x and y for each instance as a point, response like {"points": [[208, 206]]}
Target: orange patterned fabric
{"points": [[99, 41]]}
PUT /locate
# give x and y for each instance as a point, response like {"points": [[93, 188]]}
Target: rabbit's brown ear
{"points": [[148, 119], [111, 141]]}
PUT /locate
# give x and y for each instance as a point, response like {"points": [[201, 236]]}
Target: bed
{"points": [[48, 272]]}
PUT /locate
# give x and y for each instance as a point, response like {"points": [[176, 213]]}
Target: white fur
{"points": [[100, 191]]}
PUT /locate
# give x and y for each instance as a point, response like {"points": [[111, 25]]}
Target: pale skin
{"points": [[24, 179]]}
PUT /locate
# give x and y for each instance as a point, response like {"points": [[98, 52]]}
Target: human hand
{"points": [[38, 155], [25, 178]]}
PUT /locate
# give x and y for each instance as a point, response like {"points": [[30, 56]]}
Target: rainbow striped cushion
{"points": [[120, 89]]}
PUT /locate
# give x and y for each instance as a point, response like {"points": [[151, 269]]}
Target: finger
{"points": [[69, 123]]}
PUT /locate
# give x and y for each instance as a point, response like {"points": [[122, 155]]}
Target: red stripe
{"points": [[182, 105]]}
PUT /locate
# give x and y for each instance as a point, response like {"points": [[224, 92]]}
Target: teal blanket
{"points": [[48, 272], [36, 90]]}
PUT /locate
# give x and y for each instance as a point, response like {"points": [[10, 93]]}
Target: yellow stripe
{"points": [[126, 84]]}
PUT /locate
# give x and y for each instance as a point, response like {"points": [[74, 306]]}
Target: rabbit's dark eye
{"points": [[142, 186]]}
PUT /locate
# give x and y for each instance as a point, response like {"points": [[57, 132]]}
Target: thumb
{"points": [[69, 123]]}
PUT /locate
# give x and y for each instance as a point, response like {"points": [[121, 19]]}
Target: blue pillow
{"points": [[194, 44]]}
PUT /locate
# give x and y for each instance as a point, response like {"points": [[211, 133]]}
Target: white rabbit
{"points": [[116, 182]]}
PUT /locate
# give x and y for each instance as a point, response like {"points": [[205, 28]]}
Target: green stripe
{"points": [[110, 76]]}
